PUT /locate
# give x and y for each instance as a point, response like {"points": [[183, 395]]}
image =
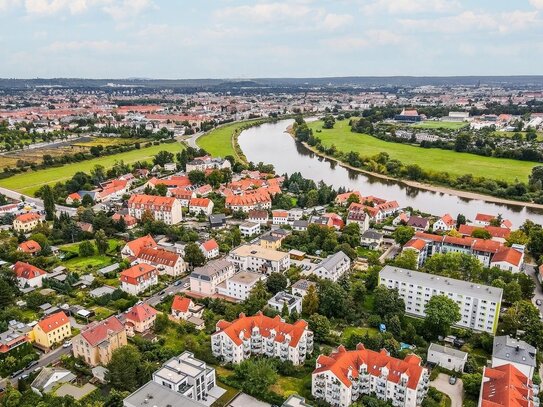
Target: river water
{"points": [[271, 144]]}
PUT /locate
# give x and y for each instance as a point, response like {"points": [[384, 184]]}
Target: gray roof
{"points": [[109, 269], [372, 234], [441, 283], [332, 261], [513, 350], [100, 291], [211, 268], [42, 382], [303, 284], [447, 351], [153, 394], [300, 223]]}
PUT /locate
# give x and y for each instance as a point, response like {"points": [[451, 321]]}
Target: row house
{"points": [[205, 280], [183, 195], [345, 376], [259, 199], [244, 337], [482, 220], [165, 261], [497, 233], [163, 208], [259, 259], [199, 206], [138, 278]]}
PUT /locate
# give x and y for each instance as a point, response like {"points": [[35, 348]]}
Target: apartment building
{"points": [[187, 375], [98, 340], [205, 280], [259, 259], [201, 206], [479, 304], [133, 248], [258, 199], [207, 163], [163, 208], [239, 286], [138, 278], [507, 386], [333, 267], [249, 229], [282, 299], [51, 330], [26, 222], [343, 377], [165, 261], [520, 354], [260, 335]]}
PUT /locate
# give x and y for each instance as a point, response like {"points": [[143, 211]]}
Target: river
{"points": [[271, 144]]}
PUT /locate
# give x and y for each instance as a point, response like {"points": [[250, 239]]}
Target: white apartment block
{"points": [[479, 304], [333, 267], [249, 229], [205, 280], [343, 377], [238, 340], [163, 208], [239, 286], [260, 259]]}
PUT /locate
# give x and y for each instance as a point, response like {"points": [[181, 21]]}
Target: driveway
{"points": [[456, 392]]}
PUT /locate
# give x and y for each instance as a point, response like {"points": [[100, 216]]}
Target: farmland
{"points": [[429, 159], [29, 182]]}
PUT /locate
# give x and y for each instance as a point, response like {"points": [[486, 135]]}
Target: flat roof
{"points": [[440, 283], [260, 252], [447, 351], [153, 394], [245, 277]]}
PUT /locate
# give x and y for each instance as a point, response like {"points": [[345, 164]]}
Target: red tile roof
{"points": [[140, 312], [159, 256], [210, 245], [132, 274], [27, 271], [506, 386], [482, 217], [415, 243], [249, 198], [279, 213], [342, 362], [28, 217], [176, 181], [138, 244], [508, 255], [448, 220], [30, 246], [151, 202], [200, 202], [97, 332], [181, 304], [53, 322]]}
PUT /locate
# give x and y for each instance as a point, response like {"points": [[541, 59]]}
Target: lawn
{"points": [[287, 385], [440, 125], [218, 142], [109, 141], [429, 159], [102, 313], [86, 264], [362, 331], [31, 181]]}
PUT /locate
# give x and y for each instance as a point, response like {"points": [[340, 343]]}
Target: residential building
{"points": [[280, 217], [343, 377], [300, 225], [26, 222], [409, 116], [29, 247], [207, 163], [258, 259], [292, 302], [419, 223], [205, 280], [129, 221], [271, 242], [238, 340], [162, 396], [301, 287], [210, 248], [187, 375], [372, 239], [446, 357], [184, 308], [50, 378], [52, 330], [98, 340], [343, 199], [508, 259], [360, 217], [133, 248], [479, 304], [199, 206], [258, 216], [258, 199], [138, 278], [294, 400], [418, 246], [16, 334], [165, 261], [239, 286], [333, 267], [217, 221], [28, 275], [140, 318], [506, 386], [163, 208], [444, 224], [515, 351], [249, 229]]}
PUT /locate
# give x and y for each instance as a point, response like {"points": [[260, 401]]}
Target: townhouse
{"points": [[28, 275], [98, 340], [184, 308], [26, 222], [259, 199], [479, 304], [165, 261], [138, 278], [205, 280], [163, 208], [258, 259], [239, 286], [238, 340], [258, 216], [199, 206], [333, 267], [343, 377], [280, 217], [51, 330]]}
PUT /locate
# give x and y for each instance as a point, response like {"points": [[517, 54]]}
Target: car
{"points": [[16, 373], [67, 344], [186, 285], [24, 376], [32, 364], [177, 283], [538, 302], [452, 380], [162, 298], [162, 292]]}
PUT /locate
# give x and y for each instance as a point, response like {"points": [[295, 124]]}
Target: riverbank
{"points": [[420, 185]]}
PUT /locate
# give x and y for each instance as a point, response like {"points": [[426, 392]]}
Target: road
{"points": [[531, 270], [45, 144], [192, 140], [172, 289], [38, 202]]}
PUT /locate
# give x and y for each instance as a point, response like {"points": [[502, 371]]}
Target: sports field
{"points": [[430, 159], [440, 125], [31, 181]]}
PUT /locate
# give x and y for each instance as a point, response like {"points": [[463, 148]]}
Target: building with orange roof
{"points": [[343, 377], [210, 248], [163, 208], [51, 330], [342, 199], [506, 386], [140, 318], [175, 181], [138, 278], [418, 246], [508, 259], [184, 308], [28, 275], [444, 224], [183, 195], [98, 340], [497, 233], [26, 222], [238, 340], [199, 206], [280, 217], [165, 261], [30, 247], [129, 221], [133, 248], [249, 200]]}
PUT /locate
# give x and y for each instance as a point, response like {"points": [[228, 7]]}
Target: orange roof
{"points": [[508, 255], [181, 304], [482, 217], [414, 243], [30, 246], [490, 246], [244, 325], [341, 198], [128, 219], [132, 274], [176, 181], [506, 386], [429, 236], [140, 312], [249, 198], [97, 332], [138, 244], [495, 231], [343, 362], [448, 220], [210, 245], [152, 202], [280, 214], [200, 202], [27, 271], [53, 322], [28, 217], [159, 256]]}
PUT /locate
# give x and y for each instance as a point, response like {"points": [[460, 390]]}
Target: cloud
{"points": [[371, 38], [266, 12], [8, 4], [538, 4], [126, 9], [50, 7], [99, 46], [334, 21], [411, 7]]}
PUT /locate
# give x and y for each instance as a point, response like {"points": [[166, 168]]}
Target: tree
{"points": [[86, 249], [460, 220], [162, 158], [479, 233], [403, 234], [147, 216], [197, 177], [535, 243], [257, 299], [310, 303], [7, 294], [194, 255], [517, 237], [332, 299], [407, 260], [101, 241], [512, 292], [462, 142], [320, 325], [276, 282], [87, 200], [441, 312], [472, 384], [123, 368], [48, 197], [255, 375], [388, 302]]}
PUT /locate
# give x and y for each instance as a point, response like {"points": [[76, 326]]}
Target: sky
{"points": [[242, 39]]}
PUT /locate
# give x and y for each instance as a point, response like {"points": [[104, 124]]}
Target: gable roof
{"points": [[508, 255], [28, 217], [159, 256], [53, 322], [140, 312], [97, 332], [138, 244], [30, 246], [210, 245], [506, 386], [27, 271], [181, 304]]}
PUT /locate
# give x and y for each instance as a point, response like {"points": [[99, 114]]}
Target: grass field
{"points": [[218, 142], [430, 159], [109, 141], [31, 181], [440, 125], [362, 331]]}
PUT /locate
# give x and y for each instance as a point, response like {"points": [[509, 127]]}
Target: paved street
{"points": [[172, 289], [38, 202]]}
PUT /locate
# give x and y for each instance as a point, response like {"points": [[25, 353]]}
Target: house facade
{"points": [[96, 343]]}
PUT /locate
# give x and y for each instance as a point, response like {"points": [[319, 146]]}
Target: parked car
{"points": [[31, 364], [538, 302], [67, 344], [452, 380], [15, 374]]}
